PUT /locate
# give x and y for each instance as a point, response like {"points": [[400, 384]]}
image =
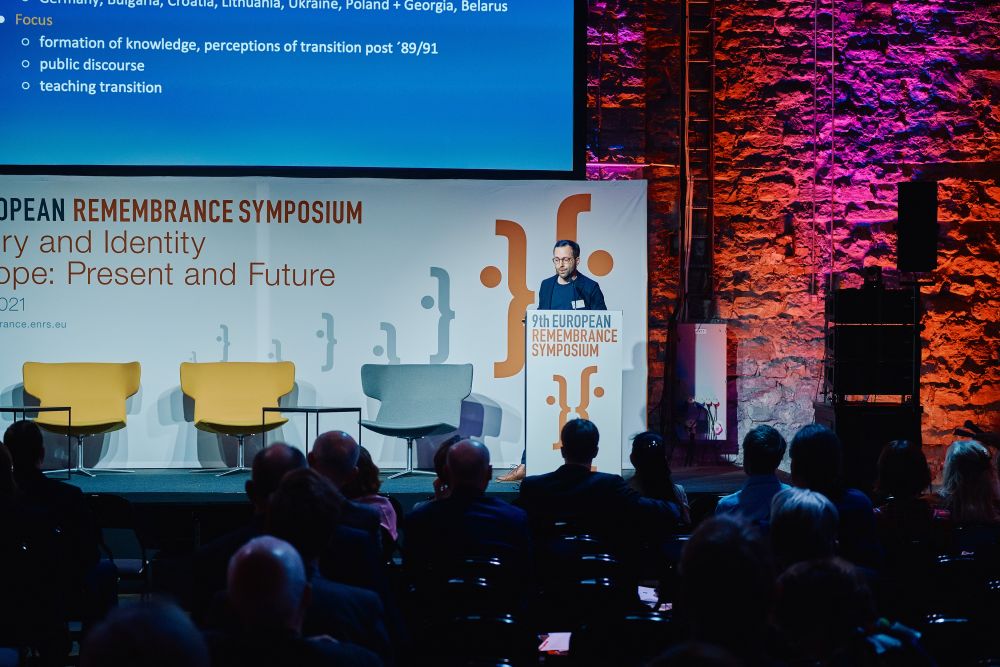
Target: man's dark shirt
{"points": [[362, 517], [584, 288], [564, 296], [857, 536], [598, 502], [67, 508], [33, 554], [445, 531], [355, 559], [349, 614]]}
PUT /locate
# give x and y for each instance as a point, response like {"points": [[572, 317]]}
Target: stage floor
{"points": [[150, 486]]}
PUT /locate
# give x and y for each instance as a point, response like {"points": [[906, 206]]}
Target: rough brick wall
{"points": [[917, 95]]}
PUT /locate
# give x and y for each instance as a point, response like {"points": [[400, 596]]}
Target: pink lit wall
{"points": [[916, 94]]}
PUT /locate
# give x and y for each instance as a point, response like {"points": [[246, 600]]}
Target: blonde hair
{"points": [[969, 485]]}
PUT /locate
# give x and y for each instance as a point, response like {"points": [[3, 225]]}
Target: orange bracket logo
{"points": [[584, 405]]}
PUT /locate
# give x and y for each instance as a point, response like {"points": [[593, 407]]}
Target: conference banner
{"points": [[330, 274]]}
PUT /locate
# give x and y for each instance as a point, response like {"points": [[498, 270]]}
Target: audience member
{"points": [[441, 488], [356, 554], [825, 614], [969, 484], [726, 578], [32, 594], [652, 477], [151, 634], [467, 523], [364, 489], [90, 581], [763, 449], [63, 502], [304, 511], [211, 561], [905, 519], [600, 503], [269, 593], [803, 526], [335, 455], [817, 465]]}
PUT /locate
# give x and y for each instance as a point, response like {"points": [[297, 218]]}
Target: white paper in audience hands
{"points": [[555, 642], [647, 595]]}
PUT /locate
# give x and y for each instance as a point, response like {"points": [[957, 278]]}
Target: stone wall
{"points": [[632, 120], [803, 189]]}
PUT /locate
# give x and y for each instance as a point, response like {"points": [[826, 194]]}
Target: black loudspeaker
{"points": [[864, 429], [917, 230]]}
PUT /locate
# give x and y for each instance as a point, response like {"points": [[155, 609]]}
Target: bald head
{"points": [[152, 634], [335, 456], [267, 586], [269, 466], [468, 466]]}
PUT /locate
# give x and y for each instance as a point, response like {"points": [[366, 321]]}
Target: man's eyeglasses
{"points": [[563, 260]]}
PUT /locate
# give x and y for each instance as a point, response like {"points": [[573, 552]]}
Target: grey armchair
{"points": [[417, 400]]}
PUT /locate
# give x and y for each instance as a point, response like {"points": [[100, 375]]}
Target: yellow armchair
{"points": [[96, 393], [229, 396]]}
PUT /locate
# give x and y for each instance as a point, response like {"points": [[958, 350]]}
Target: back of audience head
{"points": [[152, 634], [763, 449], [902, 470], [335, 456], [304, 511], [579, 438], [269, 466], [652, 467], [366, 482], [817, 460], [468, 466], [267, 586], [441, 487], [649, 455], [821, 607], [24, 442], [728, 610], [803, 526], [969, 483]]}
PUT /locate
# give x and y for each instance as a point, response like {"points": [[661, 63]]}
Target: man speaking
{"points": [[567, 290]]}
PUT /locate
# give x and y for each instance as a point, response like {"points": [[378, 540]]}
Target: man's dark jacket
{"points": [[598, 502], [586, 289], [448, 530]]}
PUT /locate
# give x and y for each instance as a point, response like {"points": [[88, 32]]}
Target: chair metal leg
{"points": [[410, 470], [89, 472], [240, 467]]}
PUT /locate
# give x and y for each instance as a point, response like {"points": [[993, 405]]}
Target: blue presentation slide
{"points": [[288, 83]]}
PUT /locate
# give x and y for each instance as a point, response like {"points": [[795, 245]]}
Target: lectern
{"points": [[573, 369]]}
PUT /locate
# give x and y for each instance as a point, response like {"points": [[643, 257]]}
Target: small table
{"points": [[24, 410], [307, 410]]}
